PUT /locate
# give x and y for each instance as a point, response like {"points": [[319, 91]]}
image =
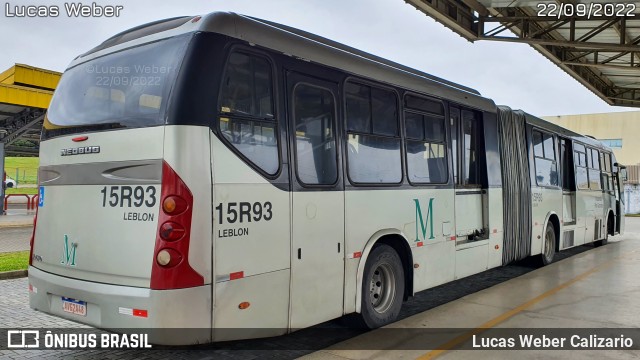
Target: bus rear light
{"points": [[171, 231], [244, 305], [168, 257], [174, 205], [170, 268]]}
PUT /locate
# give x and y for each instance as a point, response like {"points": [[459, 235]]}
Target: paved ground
{"points": [[596, 289], [15, 313], [15, 239]]}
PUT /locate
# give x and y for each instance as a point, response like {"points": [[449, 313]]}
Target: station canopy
{"points": [[594, 41], [25, 94]]}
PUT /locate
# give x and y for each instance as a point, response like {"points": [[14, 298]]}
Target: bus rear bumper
{"points": [[170, 317]]}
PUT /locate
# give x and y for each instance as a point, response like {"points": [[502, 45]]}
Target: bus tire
{"points": [[549, 249], [606, 233], [382, 287]]}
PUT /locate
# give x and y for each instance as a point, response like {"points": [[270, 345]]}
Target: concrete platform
{"points": [[16, 219], [599, 288]]}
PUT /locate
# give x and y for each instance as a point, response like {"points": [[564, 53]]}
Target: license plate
{"points": [[74, 306]]}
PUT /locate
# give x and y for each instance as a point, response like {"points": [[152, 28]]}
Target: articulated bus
{"points": [[225, 172]]}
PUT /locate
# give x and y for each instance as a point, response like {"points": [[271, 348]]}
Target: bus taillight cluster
{"points": [[171, 269]]}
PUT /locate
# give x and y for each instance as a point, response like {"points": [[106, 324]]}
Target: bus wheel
{"points": [[382, 287], [549, 251]]}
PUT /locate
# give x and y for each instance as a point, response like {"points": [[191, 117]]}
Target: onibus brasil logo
{"points": [[424, 224], [69, 252]]}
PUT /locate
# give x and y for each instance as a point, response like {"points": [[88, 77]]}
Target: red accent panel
{"points": [[420, 244], [181, 275], [236, 275], [80, 138], [452, 238], [33, 238], [357, 254], [140, 313]]}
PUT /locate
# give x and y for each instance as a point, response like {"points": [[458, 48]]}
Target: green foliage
{"points": [[14, 261], [22, 190], [25, 167]]}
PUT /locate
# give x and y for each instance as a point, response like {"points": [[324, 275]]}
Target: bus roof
{"points": [[297, 43], [315, 48], [585, 139]]}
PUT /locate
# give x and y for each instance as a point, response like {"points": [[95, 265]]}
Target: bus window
{"points": [[566, 165], [594, 170], [580, 160], [373, 137], [454, 116], [545, 159], [314, 116], [470, 148], [247, 120], [425, 141]]}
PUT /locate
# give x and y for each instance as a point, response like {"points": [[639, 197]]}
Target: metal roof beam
{"points": [[565, 43], [21, 123], [21, 150], [602, 66]]}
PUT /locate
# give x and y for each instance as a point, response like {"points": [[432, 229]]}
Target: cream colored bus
{"points": [[223, 172]]}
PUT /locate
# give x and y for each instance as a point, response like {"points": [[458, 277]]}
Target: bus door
{"points": [[568, 182], [618, 186], [471, 200], [317, 264]]}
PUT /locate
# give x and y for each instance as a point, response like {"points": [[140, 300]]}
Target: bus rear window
{"points": [[126, 89]]}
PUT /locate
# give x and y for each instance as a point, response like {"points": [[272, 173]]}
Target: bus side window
{"points": [[373, 149], [315, 136], [425, 140], [470, 149], [246, 113], [594, 169], [580, 161], [545, 159]]}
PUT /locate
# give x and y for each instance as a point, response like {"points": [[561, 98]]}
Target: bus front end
{"points": [[114, 244]]}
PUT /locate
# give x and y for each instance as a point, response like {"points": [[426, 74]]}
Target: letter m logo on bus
{"points": [[423, 223], [69, 254]]}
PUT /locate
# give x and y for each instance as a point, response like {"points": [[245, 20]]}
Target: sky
{"points": [[515, 75]]}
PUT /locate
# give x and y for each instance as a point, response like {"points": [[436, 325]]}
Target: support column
{"points": [[2, 178]]}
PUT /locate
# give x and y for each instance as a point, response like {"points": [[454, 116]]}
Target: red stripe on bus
{"points": [[236, 275], [140, 313], [452, 238], [420, 243], [357, 254]]}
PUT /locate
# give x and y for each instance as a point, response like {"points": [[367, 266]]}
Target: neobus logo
{"points": [[80, 150]]}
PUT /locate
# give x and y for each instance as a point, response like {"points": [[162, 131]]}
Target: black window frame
{"points": [[347, 132], [406, 109], [544, 157], [335, 136], [239, 48]]}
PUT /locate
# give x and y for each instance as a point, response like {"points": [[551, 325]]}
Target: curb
{"points": [[13, 274], [16, 225]]}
